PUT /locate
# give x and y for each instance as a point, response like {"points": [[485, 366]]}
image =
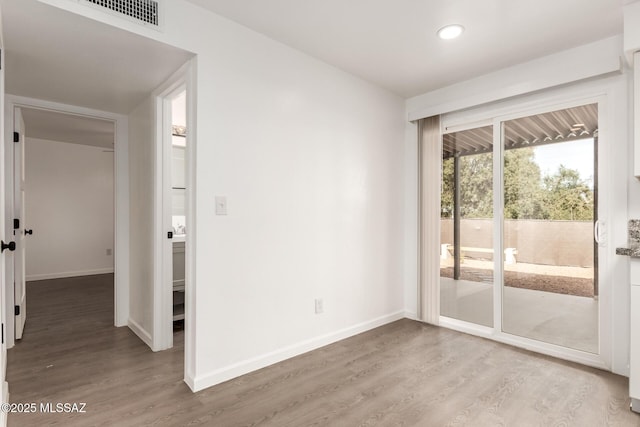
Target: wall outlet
{"points": [[319, 306], [109, 252]]}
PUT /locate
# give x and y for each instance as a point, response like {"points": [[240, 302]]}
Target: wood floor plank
{"points": [[402, 374]]}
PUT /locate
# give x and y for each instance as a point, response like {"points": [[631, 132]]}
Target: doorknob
{"points": [[28, 231], [11, 246]]}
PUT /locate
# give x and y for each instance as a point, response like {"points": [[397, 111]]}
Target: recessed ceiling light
{"points": [[451, 31]]}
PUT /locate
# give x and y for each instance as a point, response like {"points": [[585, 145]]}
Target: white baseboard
{"points": [[141, 333], [61, 275], [411, 315], [5, 399], [224, 374], [190, 381]]}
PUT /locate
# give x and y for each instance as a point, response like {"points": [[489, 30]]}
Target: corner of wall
{"points": [[144, 335]]}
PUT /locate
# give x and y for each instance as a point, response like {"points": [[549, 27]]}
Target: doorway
{"points": [[175, 180], [65, 218], [178, 207], [519, 206]]}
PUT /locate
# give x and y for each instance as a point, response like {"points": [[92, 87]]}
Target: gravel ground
{"points": [[579, 286]]}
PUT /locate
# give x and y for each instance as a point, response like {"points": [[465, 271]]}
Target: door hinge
{"points": [[16, 223], [169, 234], [16, 137], [17, 310], [2, 334]]}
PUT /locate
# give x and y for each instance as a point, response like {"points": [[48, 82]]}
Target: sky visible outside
{"points": [[576, 155]]}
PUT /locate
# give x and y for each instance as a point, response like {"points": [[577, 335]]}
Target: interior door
{"points": [[4, 392], [20, 291]]}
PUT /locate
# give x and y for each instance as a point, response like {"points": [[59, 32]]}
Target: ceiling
{"points": [[393, 43], [56, 126], [542, 129], [58, 56]]}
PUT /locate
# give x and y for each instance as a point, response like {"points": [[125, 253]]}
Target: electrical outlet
{"points": [[109, 252], [319, 306]]}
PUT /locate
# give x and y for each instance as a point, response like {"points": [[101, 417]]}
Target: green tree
{"points": [[567, 196], [476, 187], [527, 195], [523, 193], [446, 189]]}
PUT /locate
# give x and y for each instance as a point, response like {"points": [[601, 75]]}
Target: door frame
{"points": [[19, 256], [162, 339], [4, 386], [600, 92], [121, 199]]}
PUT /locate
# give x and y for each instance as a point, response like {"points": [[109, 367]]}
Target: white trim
{"points": [[4, 390], [142, 333], [5, 399], [63, 274], [220, 375], [163, 247], [465, 126], [190, 247], [121, 199], [636, 115], [631, 13], [498, 221], [191, 382], [184, 78], [584, 62], [411, 315]]}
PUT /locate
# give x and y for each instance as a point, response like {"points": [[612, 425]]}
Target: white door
{"points": [[20, 291], [4, 393]]}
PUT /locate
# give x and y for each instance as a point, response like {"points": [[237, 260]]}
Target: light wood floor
{"points": [[402, 374]]}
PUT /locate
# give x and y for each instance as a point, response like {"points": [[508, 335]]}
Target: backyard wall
{"points": [[568, 243]]}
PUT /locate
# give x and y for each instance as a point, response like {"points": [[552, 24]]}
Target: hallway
{"points": [[71, 352]]}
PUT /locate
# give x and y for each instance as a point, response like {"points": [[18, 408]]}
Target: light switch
{"points": [[221, 205]]}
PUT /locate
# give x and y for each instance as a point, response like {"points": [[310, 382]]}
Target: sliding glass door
{"points": [[517, 247], [466, 219], [550, 206]]}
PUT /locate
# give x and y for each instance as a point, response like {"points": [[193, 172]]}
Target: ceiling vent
{"points": [[145, 12]]}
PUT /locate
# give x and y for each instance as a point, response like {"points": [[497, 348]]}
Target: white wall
{"points": [[141, 190], [69, 206], [312, 168], [311, 160]]}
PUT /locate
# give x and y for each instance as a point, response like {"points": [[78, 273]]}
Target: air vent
{"points": [[143, 11]]}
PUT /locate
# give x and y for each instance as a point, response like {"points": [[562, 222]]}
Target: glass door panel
{"points": [[466, 218], [550, 205]]}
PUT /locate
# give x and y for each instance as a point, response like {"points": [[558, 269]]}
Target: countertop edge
{"points": [[631, 252]]}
